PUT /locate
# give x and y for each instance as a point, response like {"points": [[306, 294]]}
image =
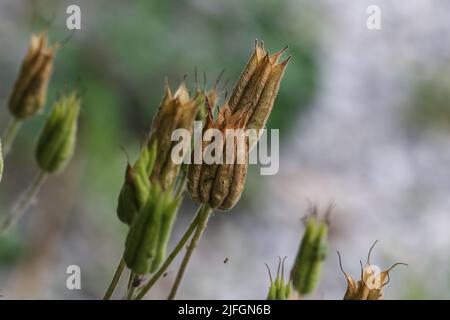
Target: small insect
{"points": [[226, 260], [165, 274]]}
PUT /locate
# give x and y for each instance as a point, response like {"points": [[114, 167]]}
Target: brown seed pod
{"points": [[258, 85], [30, 90], [372, 283], [220, 185], [175, 112]]}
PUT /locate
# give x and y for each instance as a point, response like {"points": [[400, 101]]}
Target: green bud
{"points": [[135, 189], [146, 243], [56, 143], [279, 290], [305, 274]]}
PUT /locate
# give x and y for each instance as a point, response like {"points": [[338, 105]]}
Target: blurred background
{"points": [[364, 118]]}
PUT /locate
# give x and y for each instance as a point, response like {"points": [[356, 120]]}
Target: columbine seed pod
{"points": [[372, 283], [56, 143], [279, 290], [136, 187], [148, 234], [249, 106], [168, 217], [220, 185], [305, 274], [258, 85], [30, 90], [176, 111]]}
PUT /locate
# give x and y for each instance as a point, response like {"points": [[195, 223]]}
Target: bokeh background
{"points": [[364, 118]]}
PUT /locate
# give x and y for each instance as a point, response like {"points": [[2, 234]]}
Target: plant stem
{"points": [[205, 212], [180, 185], [131, 287], [115, 280], [187, 234], [22, 205], [10, 134]]}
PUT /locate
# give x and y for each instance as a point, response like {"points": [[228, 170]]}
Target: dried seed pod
{"points": [[220, 184], [175, 112], [136, 187], [372, 283], [258, 85], [305, 274], [30, 90], [56, 142], [279, 290]]}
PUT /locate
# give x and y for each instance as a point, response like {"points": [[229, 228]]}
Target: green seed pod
{"points": [[305, 274], [279, 290], [147, 239], [135, 189], [143, 236], [56, 143], [168, 218]]}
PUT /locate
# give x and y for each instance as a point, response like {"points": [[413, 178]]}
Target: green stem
{"points": [[9, 134], [181, 182], [115, 280], [23, 203], [187, 234], [205, 212], [131, 287]]}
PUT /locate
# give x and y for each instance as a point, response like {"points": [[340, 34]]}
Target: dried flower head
{"points": [[305, 274], [372, 283], [249, 106], [56, 142], [30, 90], [279, 290], [176, 111], [258, 85], [220, 185]]}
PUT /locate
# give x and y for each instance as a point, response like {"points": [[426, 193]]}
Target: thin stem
{"points": [[181, 182], [187, 234], [9, 134], [115, 280], [22, 205], [131, 287], [205, 212]]}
